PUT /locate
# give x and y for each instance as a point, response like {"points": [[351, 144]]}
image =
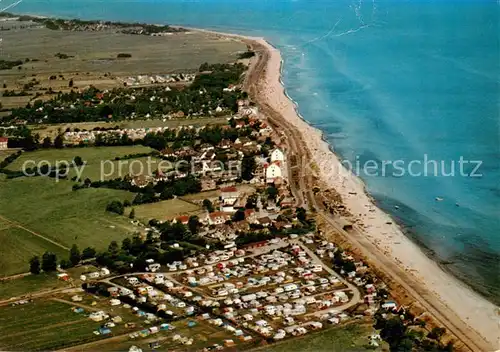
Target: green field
{"points": [[53, 210], [18, 246], [43, 325], [29, 284], [165, 210], [91, 155], [350, 338]]}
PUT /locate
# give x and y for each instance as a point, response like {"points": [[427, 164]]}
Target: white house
{"points": [[3, 142], [229, 195], [277, 155], [273, 171]]}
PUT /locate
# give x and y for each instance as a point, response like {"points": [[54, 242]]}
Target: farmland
{"points": [[338, 339], [166, 210], [42, 325], [90, 58], [18, 246], [28, 285], [92, 156], [52, 210]]}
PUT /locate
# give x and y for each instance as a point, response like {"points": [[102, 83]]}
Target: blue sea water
{"points": [[385, 81]]}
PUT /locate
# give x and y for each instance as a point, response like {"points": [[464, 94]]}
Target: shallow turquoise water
{"points": [[384, 80]]}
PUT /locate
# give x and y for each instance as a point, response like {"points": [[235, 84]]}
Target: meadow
{"points": [[42, 325], [91, 155], [92, 57], [165, 210], [52, 210], [18, 246], [349, 338], [29, 284]]}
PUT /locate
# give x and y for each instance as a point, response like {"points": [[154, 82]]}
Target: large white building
{"points": [[277, 155], [273, 172]]}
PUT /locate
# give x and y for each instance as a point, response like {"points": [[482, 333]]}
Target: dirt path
{"points": [[16, 224]]}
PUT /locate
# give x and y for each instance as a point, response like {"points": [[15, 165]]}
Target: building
{"points": [[3, 142], [229, 195], [277, 155], [273, 172], [218, 218]]}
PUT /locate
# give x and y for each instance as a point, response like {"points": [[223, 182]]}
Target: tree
{"points": [[126, 244], [59, 141], [65, 264], [35, 265], [272, 192], [207, 204], [132, 214], [78, 161], [301, 214], [248, 166], [116, 207], [436, 333], [88, 253], [47, 142], [193, 224], [70, 84], [113, 248], [49, 262], [74, 255], [239, 215]]}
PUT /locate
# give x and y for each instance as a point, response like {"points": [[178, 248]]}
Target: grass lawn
{"points": [[338, 339], [43, 325], [18, 246], [165, 210], [53, 210], [91, 155], [29, 284]]}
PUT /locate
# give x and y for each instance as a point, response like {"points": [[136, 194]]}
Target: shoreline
{"points": [[472, 309]]}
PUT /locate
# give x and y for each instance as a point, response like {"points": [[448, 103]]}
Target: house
{"points": [[184, 219], [229, 195], [218, 218], [242, 142], [3, 142], [225, 144], [277, 155], [273, 172], [264, 221], [168, 152], [140, 181]]}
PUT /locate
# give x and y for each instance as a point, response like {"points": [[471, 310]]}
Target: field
{"points": [[94, 61], [29, 284], [352, 338], [52, 210], [165, 210], [18, 246], [203, 334], [43, 325], [91, 155], [53, 130]]}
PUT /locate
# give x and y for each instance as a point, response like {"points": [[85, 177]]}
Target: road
{"points": [[302, 187]]}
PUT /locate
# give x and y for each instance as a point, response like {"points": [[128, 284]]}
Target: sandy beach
{"points": [[475, 311]]}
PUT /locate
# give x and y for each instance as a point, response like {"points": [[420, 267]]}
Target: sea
{"points": [[408, 87]]}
